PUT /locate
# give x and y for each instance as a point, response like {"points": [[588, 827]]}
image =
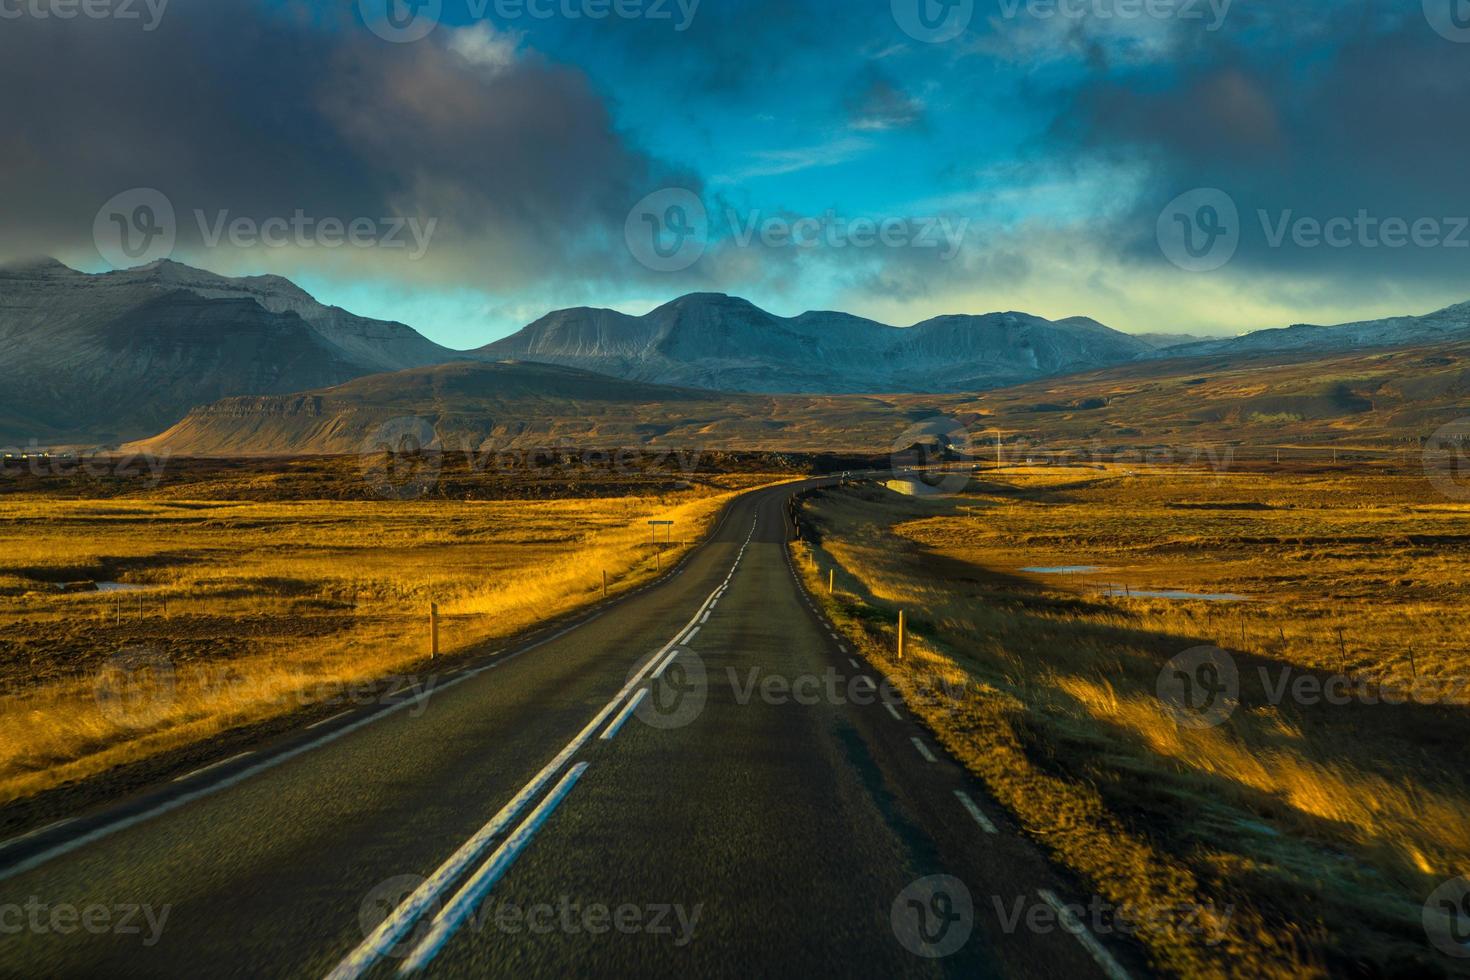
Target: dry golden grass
{"points": [[258, 609], [1324, 825]]}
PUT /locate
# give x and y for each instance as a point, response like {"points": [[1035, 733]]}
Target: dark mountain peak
{"points": [[38, 266]]}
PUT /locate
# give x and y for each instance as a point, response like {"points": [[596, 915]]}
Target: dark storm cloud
{"points": [[1361, 115], [264, 111]]}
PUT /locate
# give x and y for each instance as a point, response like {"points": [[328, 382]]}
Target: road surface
{"points": [[607, 801]]}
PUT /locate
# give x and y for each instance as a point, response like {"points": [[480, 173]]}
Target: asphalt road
{"points": [[605, 802]]}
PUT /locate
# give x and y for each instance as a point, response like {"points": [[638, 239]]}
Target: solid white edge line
{"points": [[923, 749], [1110, 967], [463, 904], [212, 765], [893, 711], [974, 811], [617, 723]]}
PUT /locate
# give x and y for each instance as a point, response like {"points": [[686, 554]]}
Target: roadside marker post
{"points": [[604, 583], [831, 579], [900, 633], [433, 629]]}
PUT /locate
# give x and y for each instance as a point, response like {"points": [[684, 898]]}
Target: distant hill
{"points": [[104, 358], [723, 343], [483, 407], [1449, 324]]}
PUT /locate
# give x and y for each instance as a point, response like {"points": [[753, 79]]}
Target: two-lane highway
{"points": [[699, 780]]}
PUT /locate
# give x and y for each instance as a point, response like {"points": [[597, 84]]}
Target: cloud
{"points": [[261, 111], [875, 102]]}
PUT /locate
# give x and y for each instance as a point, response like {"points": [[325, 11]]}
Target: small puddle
{"points": [[119, 587], [1177, 594], [1062, 569]]}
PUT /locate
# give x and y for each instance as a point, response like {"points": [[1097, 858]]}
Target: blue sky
{"points": [[1030, 159]]}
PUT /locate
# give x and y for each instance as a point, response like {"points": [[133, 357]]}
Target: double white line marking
{"points": [[410, 910]]}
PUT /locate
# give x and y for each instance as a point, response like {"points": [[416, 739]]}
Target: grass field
{"points": [[240, 610], [1305, 826]]}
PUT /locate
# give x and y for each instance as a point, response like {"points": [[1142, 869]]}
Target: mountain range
{"points": [[120, 356], [724, 343]]}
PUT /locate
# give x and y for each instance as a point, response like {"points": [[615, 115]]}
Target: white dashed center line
{"points": [[974, 811], [923, 750]]}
